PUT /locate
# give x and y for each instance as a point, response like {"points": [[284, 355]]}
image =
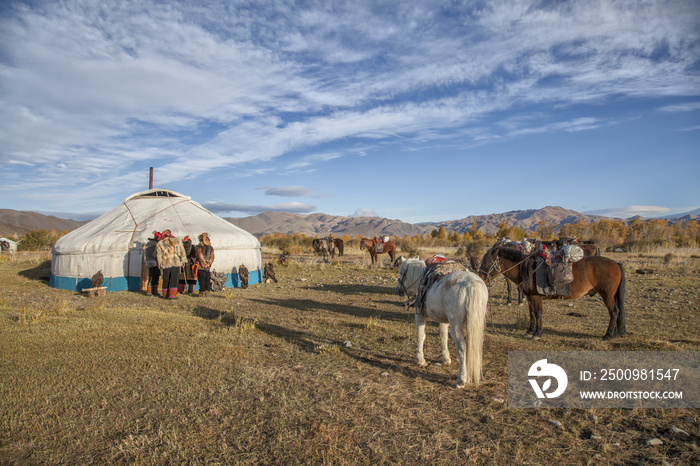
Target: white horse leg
{"points": [[420, 329], [445, 340], [458, 336]]}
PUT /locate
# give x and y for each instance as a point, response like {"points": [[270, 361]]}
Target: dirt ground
{"points": [[318, 368]]}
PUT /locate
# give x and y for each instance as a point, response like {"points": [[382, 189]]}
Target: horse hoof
{"points": [[606, 337], [535, 337], [459, 384]]}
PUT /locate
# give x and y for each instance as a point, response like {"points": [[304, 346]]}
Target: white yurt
{"points": [[115, 241]]}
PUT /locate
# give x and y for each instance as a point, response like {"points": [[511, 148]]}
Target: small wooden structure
{"points": [[98, 291]]}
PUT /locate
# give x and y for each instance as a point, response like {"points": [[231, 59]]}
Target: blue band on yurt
{"points": [[134, 283]]}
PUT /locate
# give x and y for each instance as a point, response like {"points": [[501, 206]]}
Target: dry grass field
{"points": [[316, 369]]}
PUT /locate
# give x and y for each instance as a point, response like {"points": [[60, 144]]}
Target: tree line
{"points": [[633, 236]]}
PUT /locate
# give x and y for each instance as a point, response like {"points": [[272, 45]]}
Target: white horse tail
{"points": [[477, 296]]}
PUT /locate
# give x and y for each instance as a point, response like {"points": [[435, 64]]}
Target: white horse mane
{"points": [[410, 274]]}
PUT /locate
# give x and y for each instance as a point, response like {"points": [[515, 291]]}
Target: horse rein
{"points": [[496, 263], [402, 278]]}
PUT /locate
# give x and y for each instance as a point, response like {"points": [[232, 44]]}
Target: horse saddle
{"points": [[553, 276], [379, 247], [432, 274]]}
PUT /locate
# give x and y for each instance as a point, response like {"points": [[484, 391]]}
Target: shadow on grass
{"points": [[207, 313], [506, 328], [356, 289], [304, 340], [41, 272], [384, 362], [313, 306]]}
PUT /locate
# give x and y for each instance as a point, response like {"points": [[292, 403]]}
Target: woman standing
{"points": [[188, 275], [171, 256], [205, 257]]}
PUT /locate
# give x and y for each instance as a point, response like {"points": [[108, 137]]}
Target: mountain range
{"points": [[16, 223], [323, 224]]}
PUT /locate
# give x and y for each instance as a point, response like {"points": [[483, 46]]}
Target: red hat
{"points": [[186, 239], [167, 234]]}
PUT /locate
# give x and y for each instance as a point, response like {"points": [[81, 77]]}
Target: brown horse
{"points": [[371, 245], [323, 246], [590, 273], [589, 247], [336, 243]]}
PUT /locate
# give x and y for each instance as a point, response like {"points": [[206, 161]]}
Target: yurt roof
{"points": [[141, 214]]}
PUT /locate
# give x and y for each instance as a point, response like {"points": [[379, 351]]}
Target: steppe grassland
{"points": [[318, 368]]}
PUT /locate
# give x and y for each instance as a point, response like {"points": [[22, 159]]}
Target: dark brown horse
{"points": [[590, 273], [373, 247], [328, 245], [336, 243]]}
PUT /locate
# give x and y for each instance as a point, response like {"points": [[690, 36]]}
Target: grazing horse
{"points": [[456, 300], [322, 245], [336, 243], [598, 273], [371, 245]]}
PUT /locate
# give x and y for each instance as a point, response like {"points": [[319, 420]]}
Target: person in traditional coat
{"points": [[188, 275], [171, 256], [151, 258], [205, 258]]}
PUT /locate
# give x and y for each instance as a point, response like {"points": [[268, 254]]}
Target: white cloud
{"points": [[365, 213], [631, 211], [294, 207], [289, 191]]}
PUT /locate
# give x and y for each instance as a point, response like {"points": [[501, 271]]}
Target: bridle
{"points": [[402, 278], [494, 264], [497, 263]]}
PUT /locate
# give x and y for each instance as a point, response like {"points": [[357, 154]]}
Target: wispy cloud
{"points": [[293, 207], [679, 108], [631, 211], [288, 191], [89, 93]]}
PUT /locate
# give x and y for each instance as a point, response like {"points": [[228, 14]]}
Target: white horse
{"points": [[456, 299]]}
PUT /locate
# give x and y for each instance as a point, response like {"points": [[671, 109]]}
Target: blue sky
{"points": [[420, 111]]}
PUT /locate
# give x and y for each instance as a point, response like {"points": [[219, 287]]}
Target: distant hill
{"points": [[13, 222], [692, 215], [16, 223], [322, 224], [525, 219]]}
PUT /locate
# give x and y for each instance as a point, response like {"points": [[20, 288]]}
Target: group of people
{"points": [[180, 264]]}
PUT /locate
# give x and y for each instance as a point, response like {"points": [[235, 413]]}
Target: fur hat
{"points": [[204, 238]]}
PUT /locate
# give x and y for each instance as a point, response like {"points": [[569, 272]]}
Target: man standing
{"points": [[205, 257], [151, 257]]}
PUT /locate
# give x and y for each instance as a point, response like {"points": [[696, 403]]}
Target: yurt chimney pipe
{"points": [[150, 179]]}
